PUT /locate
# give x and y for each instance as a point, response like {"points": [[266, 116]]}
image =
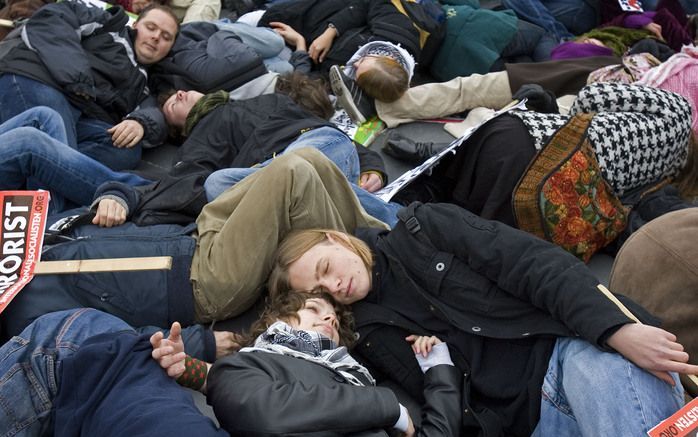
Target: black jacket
{"points": [[358, 22], [207, 59], [85, 50], [238, 134], [497, 295], [264, 394]]}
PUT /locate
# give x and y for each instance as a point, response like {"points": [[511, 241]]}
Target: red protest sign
{"points": [[631, 5], [682, 423], [22, 220]]}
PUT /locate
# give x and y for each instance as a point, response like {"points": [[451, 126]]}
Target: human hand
{"points": [[422, 344], [127, 133], [290, 35], [226, 343], [410, 428], [370, 182], [655, 28], [109, 213], [653, 349], [169, 352], [321, 45]]}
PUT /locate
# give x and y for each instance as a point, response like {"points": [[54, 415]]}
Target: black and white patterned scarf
{"points": [[281, 338], [382, 48]]}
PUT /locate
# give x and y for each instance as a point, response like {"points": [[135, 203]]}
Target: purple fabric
{"points": [[569, 50], [638, 21]]}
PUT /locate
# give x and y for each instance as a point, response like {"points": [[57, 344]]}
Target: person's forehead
{"points": [[161, 19]]}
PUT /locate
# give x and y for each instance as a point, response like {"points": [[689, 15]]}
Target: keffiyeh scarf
{"points": [[280, 338], [382, 48]]}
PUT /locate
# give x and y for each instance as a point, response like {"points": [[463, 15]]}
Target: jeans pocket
{"points": [[25, 404]]}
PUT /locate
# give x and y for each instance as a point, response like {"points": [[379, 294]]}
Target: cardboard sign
{"points": [[682, 423], [22, 220], [631, 5]]}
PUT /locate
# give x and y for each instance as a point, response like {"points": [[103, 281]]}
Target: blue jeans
{"points": [[588, 392], [33, 155], [530, 43], [331, 142], [561, 18], [269, 45], [30, 366], [85, 134]]}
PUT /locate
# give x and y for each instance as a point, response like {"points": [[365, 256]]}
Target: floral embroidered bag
{"points": [[563, 198]]}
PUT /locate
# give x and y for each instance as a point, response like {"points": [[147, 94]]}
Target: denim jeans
{"points": [[269, 45], [561, 18], [85, 134], [530, 43], [30, 366], [331, 142], [32, 158], [588, 392]]}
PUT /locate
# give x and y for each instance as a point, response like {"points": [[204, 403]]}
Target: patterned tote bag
{"points": [[563, 198]]}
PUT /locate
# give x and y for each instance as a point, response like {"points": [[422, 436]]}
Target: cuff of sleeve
{"points": [[402, 421], [439, 355], [117, 199], [376, 172]]}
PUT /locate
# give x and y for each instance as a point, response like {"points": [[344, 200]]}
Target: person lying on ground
{"points": [[102, 94], [236, 135], [85, 372], [543, 351], [284, 379]]}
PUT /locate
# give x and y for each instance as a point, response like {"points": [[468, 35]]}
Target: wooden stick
{"points": [[692, 378], [103, 265], [6, 23]]}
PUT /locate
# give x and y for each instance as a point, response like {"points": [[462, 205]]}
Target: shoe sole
{"points": [[344, 96]]}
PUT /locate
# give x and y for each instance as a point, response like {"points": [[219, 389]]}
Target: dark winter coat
{"points": [[497, 295]]}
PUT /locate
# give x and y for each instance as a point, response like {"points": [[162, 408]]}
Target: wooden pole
{"points": [[690, 382], [103, 265]]}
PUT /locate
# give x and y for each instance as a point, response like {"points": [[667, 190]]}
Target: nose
{"points": [[332, 319], [332, 285]]}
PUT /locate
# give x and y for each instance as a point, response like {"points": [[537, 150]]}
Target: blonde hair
{"points": [[386, 81], [299, 242]]}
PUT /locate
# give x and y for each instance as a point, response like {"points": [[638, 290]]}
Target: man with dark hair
{"points": [[87, 64]]}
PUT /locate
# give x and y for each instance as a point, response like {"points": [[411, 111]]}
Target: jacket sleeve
{"points": [[441, 413], [527, 267], [149, 115], [352, 17], [253, 397], [55, 31], [370, 160]]}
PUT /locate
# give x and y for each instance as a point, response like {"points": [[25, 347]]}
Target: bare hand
{"points": [[109, 213], [653, 349], [410, 428], [127, 133], [656, 29], [169, 352], [370, 182], [321, 46], [422, 344], [290, 35], [226, 343]]}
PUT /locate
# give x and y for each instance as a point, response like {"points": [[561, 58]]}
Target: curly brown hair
{"points": [[286, 306]]}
